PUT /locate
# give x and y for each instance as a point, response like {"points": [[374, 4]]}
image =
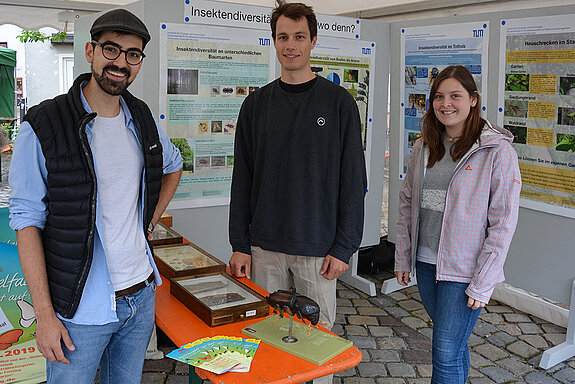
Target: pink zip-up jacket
{"points": [[481, 209]]}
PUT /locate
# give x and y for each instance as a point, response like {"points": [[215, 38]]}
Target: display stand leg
{"points": [[566, 350], [391, 285], [351, 277]]}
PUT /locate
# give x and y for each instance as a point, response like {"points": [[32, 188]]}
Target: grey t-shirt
{"points": [[435, 185], [119, 167]]}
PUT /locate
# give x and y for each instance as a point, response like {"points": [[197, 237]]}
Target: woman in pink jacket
{"points": [[458, 210]]}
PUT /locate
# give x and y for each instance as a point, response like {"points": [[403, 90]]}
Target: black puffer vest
{"points": [[68, 236]]}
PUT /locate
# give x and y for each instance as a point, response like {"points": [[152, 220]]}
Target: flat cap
{"points": [[120, 20]]}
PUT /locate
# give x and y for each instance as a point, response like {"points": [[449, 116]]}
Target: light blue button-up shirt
{"points": [[28, 207]]}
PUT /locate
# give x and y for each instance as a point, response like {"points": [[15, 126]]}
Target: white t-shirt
{"points": [[119, 169]]}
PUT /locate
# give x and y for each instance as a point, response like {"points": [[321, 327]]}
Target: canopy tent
{"points": [[61, 14], [7, 64]]}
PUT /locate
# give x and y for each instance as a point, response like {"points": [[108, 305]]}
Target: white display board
{"points": [[425, 51], [537, 92], [350, 64]]}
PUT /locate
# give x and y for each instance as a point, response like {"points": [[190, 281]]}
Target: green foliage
{"points": [[186, 152], [11, 130], [32, 36], [567, 86], [518, 82], [565, 143]]}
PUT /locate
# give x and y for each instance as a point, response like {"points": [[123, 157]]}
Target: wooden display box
{"points": [[187, 259], [167, 219], [163, 235], [218, 299]]}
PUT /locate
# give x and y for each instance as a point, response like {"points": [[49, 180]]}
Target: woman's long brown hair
{"points": [[433, 130]]}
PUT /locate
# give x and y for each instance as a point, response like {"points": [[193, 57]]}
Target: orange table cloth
{"points": [[270, 365]]}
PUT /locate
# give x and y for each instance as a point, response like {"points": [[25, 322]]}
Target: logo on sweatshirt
{"points": [[320, 121]]}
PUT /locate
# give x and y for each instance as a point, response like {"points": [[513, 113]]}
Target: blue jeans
{"points": [[453, 322], [119, 348]]}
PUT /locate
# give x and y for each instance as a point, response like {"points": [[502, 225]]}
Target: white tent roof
{"points": [[60, 14]]}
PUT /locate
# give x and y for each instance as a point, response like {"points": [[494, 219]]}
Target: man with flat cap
{"points": [[91, 174]]}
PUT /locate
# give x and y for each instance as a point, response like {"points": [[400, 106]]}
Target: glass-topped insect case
{"points": [[164, 235], [184, 260], [218, 299]]}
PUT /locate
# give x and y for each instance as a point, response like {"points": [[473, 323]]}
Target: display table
{"points": [[270, 365]]}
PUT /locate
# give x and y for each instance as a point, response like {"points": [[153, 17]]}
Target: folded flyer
{"points": [[218, 354]]}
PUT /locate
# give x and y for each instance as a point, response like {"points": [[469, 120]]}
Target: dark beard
{"points": [[111, 87]]}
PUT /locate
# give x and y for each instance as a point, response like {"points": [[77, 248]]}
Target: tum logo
{"points": [[366, 51], [265, 42], [478, 33]]}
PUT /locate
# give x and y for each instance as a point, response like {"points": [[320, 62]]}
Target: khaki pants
{"points": [[276, 270]]}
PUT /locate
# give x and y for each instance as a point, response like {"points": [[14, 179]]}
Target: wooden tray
{"points": [[218, 299], [164, 235], [177, 260]]}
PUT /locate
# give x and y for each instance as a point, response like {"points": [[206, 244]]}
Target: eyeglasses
{"points": [[111, 52]]}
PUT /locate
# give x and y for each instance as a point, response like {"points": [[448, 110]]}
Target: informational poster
{"points": [[254, 17], [425, 51], [205, 75], [537, 104], [349, 64], [20, 360]]}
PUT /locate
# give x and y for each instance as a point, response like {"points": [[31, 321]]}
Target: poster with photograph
{"points": [[537, 104], [425, 51], [204, 78], [349, 64]]}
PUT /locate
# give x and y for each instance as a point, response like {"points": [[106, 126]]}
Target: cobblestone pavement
{"points": [[393, 333]]}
